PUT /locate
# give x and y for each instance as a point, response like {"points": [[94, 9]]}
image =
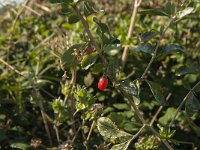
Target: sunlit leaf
{"points": [[110, 131], [121, 146], [184, 12], [89, 60], [133, 89]]}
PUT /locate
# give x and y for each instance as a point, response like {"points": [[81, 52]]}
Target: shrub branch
{"points": [[119, 87]]}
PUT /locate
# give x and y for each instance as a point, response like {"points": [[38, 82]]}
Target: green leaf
{"points": [[68, 60], [20, 145], [184, 12], [121, 146], [83, 99], [171, 48], [191, 69], [73, 18], [167, 117], [157, 91], [110, 131], [102, 26], [156, 11], [133, 89], [112, 69], [89, 60], [145, 37], [170, 9], [121, 106], [144, 47], [97, 68], [112, 49], [67, 8], [88, 10], [192, 105]]}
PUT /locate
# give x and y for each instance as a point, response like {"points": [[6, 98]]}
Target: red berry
{"points": [[89, 50], [103, 82]]}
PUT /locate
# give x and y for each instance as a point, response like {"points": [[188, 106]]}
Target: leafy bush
{"points": [[51, 66]]}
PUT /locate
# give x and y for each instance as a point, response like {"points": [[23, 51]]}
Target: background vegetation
{"points": [[49, 97]]}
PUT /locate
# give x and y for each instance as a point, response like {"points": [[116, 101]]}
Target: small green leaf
{"points": [[121, 146], [156, 11], [144, 47], [89, 60], [184, 12], [189, 69], [102, 26], [121, 106], [157, 91], [112, 49], [67, 9], [73, 18], [88, 10], [133, 89], [110, 131], [192, 105], [20, 145], [97, 68], [168, 115], [170, 8], [68, 60], [112, 69], [171, 48], [145, 37]]}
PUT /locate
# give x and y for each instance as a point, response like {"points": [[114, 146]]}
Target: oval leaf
{"points": [[145, 48], [122, 146], [89, 60], [157, 91], [68, 60], [133, 89], [110, 131]]}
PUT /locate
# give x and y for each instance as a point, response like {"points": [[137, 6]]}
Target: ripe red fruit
{"points": [[103, 82], [89, 50]]}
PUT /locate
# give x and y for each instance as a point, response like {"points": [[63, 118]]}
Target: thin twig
{"points": [[130, 30], [183, 102], [91, 128], [19, 13], [11, 67], [156, 50], [57, 133], [138, 133], [159, 110], [33, 11]]}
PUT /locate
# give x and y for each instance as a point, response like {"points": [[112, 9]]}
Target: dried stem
{"points": [[11, 67], [130, 30]]}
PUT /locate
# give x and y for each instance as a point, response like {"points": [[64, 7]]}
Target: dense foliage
{"points": [[63, 84]]}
